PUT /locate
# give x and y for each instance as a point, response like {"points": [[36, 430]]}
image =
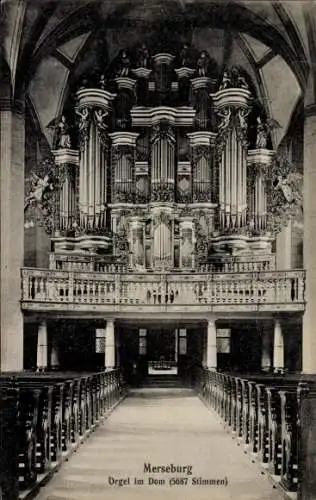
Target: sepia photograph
{"points": [[158, 249]]}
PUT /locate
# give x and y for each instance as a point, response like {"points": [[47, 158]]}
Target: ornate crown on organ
{"points": [[163, 166]]}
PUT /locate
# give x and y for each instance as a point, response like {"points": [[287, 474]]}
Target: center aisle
{"points": [[160, 427]]}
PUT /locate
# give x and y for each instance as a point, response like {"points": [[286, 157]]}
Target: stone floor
{"points": [[160, 427]]}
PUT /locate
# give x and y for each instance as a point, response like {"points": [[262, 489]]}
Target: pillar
{"points": [[41, 362], [109, 345], [211, 348], [12, 152], [278, 347], [309, 190], [284, 248], [266, 361]]}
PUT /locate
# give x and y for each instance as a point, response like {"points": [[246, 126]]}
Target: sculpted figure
{"points": [[124, 64], [63, 138], [99, 117], [185, 56], [202, 64], [242, 114], [226, 116], [143, 57], [262, 136], [83, 114], [226, 82], [40, 185]]}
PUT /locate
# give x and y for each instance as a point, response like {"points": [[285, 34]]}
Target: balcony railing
{"points": [[63, 290]]}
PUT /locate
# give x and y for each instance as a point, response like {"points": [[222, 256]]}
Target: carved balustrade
{"points": [[45, 417], [265, 291]]}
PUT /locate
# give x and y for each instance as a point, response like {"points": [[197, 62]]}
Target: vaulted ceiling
{"points": [[46, 45]]}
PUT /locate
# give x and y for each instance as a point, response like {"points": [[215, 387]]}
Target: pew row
{"points": [[267, 415], [44, 418]]}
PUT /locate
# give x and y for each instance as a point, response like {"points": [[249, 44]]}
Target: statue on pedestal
{"points": [[226, 82], [63, 137], [263, 130], [124, 64], [143, 58], [202, 64], [184, 56], [262, 136]]}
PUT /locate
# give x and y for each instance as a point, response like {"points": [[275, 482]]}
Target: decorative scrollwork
{"points": [[41, 189], [162, 131], [121, 245], [285, 193], [163, 191]]}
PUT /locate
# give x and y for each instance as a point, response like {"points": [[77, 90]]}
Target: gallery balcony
{"points": [[185, 293]]}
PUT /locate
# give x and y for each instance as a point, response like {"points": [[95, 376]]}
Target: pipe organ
{"points": [[164, 176]]}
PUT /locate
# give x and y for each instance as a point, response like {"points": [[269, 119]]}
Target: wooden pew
{"points": [[53, 412]]}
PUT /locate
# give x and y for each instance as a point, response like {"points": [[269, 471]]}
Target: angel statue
{"points": [[242, 114], [39, 187], [263, 130], [63, 138], [83, 114], [84, 119], [226, 82], [225, 119], [99, 117], [290, 186], [202, 64]]}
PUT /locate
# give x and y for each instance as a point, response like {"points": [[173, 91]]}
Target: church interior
{"points": [[157, 202]]}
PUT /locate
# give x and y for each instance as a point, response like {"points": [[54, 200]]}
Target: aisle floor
{"points": [[159, 427]]}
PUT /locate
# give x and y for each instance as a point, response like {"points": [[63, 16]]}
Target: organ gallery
{"points": [[163, 164]]}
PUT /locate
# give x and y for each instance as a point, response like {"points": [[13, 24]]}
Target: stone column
{"points": [[266, 361], [109, 345], [41, 362], [211, 349], [278, 347], [309, 190], [12, 152]]}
